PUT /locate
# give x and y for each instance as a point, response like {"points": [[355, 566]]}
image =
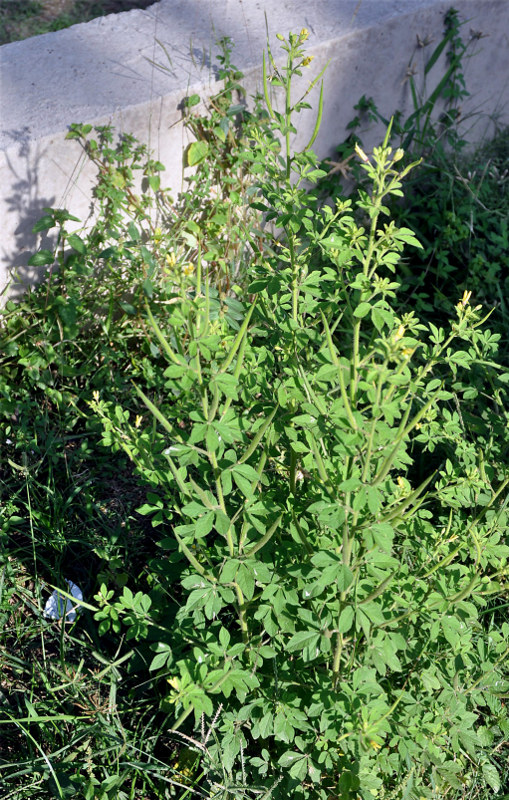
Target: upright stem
{"points": [[295, 281], [288, 114], [355, 361], [377, 199], [293, 471]]}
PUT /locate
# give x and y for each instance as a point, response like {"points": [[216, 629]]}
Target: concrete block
{"points": [[114, 70]]}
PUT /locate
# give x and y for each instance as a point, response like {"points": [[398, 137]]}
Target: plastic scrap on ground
{"points": [[59, 606]]}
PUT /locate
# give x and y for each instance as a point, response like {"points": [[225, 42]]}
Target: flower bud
{"points": [[466, 298], [362, 155]]}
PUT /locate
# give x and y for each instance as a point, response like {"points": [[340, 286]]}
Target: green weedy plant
{"points": [[66, 505], [457, 199], [332, 578]]}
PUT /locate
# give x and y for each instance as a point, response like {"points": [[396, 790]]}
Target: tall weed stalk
{"points": [[332, 574]]}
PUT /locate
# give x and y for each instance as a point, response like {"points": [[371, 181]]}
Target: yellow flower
{"points": [[96, 396], [307, 61], [171, 259], [375, 745], [399, 333], [138, 420], [303, 34], [400, 482], [188, 268]]}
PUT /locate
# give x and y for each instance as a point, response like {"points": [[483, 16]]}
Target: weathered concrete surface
{"points": [[113, 70]]}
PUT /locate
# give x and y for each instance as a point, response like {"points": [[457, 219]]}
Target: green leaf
{"points": [[332, 570], [383, 535], [246, 581], [491, 776], [299, 447], [77, 243], [244, 476], [362, 310], [299, 769], [196, 152], [127, 307], [289, 758], [451, 627], [377, 319], [175, 371], [194, 509], [41, 258], [346, 619], [266, 725], [303, 639], [229, 570], [374, 500], [44, 223], [148, 288], [154, 181], [407, 236], [198, 598], [227, 384], [159, 660], [333, 242], [344, 577], [350, 484], [204, 524]]}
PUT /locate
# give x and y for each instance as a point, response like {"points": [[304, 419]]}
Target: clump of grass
{"points": [[21, 20]]}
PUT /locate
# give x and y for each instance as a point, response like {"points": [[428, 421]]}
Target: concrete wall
{"points": [[104, 72]]}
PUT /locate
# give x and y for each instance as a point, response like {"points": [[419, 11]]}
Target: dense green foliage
{"points": [[277, 466]]}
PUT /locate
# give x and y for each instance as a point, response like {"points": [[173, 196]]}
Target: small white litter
{"points": [[59, 606]]}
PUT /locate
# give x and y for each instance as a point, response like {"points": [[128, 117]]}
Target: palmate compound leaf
{"points": [[332, 570], [303, 639], [296, 763], [406, 235], [244, 476]]}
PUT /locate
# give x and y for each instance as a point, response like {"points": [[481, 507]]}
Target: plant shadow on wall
{"points": [[316, 611], [26, 203]]}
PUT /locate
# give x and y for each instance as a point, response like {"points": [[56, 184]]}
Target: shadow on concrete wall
{"points": [[26, 201]]}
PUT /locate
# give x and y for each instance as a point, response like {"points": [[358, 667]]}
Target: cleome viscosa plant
{"points": [[329, 531]]}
